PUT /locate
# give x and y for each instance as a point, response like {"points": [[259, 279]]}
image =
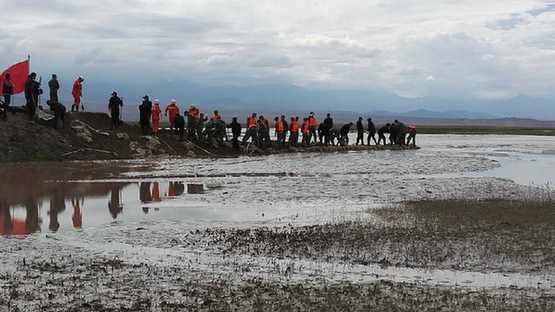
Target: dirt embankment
{"points": [[89, 136], [85, 136]]}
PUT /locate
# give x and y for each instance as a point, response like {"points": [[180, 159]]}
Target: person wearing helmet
{"points": [[156, 111], [171, 111], [77, 92]]}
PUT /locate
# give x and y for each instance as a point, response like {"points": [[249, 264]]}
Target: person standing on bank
{"points": [[54, 86], [143, 118], [114, 106], [77, 92], [235, 132], [7, 90], [360, 132], [155, 113], [148, 106], [32, 92], [371, 131]]}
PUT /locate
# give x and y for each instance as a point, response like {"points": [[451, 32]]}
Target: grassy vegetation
{"points": [[490, 211], [485, 130]]}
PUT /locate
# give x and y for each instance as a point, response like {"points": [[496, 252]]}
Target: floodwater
{"points": [[302, 188], [101, 208]]}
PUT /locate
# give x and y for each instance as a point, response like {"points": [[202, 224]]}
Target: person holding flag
{"points": [[12, 81], [7, 89], [77, 92]]}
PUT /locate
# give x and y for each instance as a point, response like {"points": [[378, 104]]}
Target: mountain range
{"points": [[289, 98]]}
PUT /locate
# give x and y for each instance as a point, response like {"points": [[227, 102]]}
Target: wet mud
{"points": [[315, 232], [515, 237], [111, 285]]}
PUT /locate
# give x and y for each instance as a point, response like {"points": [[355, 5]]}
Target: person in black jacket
{"points": [[32, 92], [381, 133], [144, 121], [148, 106], [179, 125], [114, 106], [371, 131], [360, 131], [327, 127], [7, 90], [235, 132], [344, 134], [54, 86]]}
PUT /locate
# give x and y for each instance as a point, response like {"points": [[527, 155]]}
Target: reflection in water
{"points": [[144, 193], [77, 217], [57, 205], [17, 226], [156, 192], [114, 205], [23, 216], [32, 219]]}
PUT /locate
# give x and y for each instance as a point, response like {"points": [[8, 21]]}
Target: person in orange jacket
{"points": [[306, 132], [77, 92], [252, 129], [216, 116], [156, 111], [171, 111], [280, 130], [77, 217], [312, 125], [193, 120], [156, 192], [294, 131]]}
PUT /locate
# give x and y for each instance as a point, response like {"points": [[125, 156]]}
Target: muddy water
{"points": [[283, 188]]}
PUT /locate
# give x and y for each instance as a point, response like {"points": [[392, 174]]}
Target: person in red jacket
{"points": [[312, 125], [216, 116], [77, 92], [306, 132], [77, 217], [280, 130], [193, 121], [156, 111], [171, 111], [252, 129], [294, 131]]}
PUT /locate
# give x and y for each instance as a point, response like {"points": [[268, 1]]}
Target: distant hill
{"points": [[282, 98]]}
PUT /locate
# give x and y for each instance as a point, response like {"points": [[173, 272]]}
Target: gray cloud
{"points": [[488, 49]]}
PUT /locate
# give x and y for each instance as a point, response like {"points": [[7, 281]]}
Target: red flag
{"points": [[19, 73]]}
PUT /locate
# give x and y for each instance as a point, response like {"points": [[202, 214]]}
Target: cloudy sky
{"points": [[481, 48]]}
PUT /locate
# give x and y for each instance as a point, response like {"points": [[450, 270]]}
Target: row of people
{"points": [[197, 127]]}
